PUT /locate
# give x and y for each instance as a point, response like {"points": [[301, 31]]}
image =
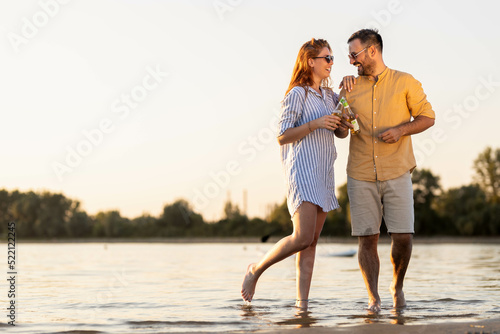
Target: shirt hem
{"points": [[335, 207], [381, 179]]}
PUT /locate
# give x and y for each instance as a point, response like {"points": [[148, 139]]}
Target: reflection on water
{"points": [[302, 319], [152, 288], [398, 317], [250, 312]]}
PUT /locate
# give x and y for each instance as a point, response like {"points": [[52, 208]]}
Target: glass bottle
{"points": [[351, 117]]}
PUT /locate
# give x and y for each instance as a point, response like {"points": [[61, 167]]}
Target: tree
{"points": [[281, 217], [338, 222], [4, 210], [234, 223], [426, 188], [53, 214], [145, 226], [111, 224], [231, 211], [464, 209], [179, 219], [487, 167], [25, 209], [492, 219], [79, 225]]}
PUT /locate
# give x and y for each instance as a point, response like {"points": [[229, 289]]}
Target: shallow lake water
{"points": [[161, 287]]}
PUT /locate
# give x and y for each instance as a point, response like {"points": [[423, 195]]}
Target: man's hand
{"points": [[419, 124], [391, 136], [345, 124]]}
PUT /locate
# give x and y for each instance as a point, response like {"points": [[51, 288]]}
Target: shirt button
{"points": [[375, 127], [376, 156], [375, 99]]}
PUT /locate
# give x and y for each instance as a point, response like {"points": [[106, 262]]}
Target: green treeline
{"points": [[469, 210]]}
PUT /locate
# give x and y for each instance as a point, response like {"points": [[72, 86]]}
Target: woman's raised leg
{"points": [[304, 224]]}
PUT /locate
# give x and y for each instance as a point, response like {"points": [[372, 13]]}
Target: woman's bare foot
{"points": [[302, 304], [249, 282]]}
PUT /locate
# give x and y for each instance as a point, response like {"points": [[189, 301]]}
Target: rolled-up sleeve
{"points": [[291, 109], [417, 100]]}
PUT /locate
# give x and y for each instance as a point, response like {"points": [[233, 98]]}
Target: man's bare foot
{"points": [[398, 298], [374, 306], [249, 282]]}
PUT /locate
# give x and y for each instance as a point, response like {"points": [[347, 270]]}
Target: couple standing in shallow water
{"points": [[390, 106]]}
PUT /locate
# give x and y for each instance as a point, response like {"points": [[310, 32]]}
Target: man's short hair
{"points": [[368, 37]]}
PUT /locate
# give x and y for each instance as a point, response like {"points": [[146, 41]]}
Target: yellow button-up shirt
{"points": [[392, 100]]}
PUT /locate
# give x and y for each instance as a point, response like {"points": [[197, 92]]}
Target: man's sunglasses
{"points": [[353, 55], [329, 59]]}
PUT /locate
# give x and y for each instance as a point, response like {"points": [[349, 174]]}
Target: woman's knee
{"points": [[304, 240], [314, 241]]}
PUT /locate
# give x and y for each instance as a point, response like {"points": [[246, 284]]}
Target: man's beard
{"points": [[367, 69]]}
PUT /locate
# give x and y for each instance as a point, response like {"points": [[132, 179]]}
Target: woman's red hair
{"points": [[302, 72]]}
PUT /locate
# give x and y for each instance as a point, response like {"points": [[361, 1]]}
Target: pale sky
{"points": [[131, 105]]}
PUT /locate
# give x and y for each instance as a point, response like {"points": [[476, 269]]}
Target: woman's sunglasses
{"points": [[329, 59]]}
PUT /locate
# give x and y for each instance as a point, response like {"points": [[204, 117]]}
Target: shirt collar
{"points": [[315, 92], [383, 74], [380, 76]]}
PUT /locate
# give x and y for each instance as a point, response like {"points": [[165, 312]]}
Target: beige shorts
{"points": [[391, 199]]}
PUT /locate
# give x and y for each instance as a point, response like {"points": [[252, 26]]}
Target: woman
{"points": [[306, 138]]}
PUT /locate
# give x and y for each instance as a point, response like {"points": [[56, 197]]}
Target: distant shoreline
{"points": [[272, 240]]}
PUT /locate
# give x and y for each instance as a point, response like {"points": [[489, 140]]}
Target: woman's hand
{"points": [[348, 82], [329, 122]]}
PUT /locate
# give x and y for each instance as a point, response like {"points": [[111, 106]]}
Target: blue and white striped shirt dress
{"points": [[308, 162]]}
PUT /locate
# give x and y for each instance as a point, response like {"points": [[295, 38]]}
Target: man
{"points": [[381, 160]]}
